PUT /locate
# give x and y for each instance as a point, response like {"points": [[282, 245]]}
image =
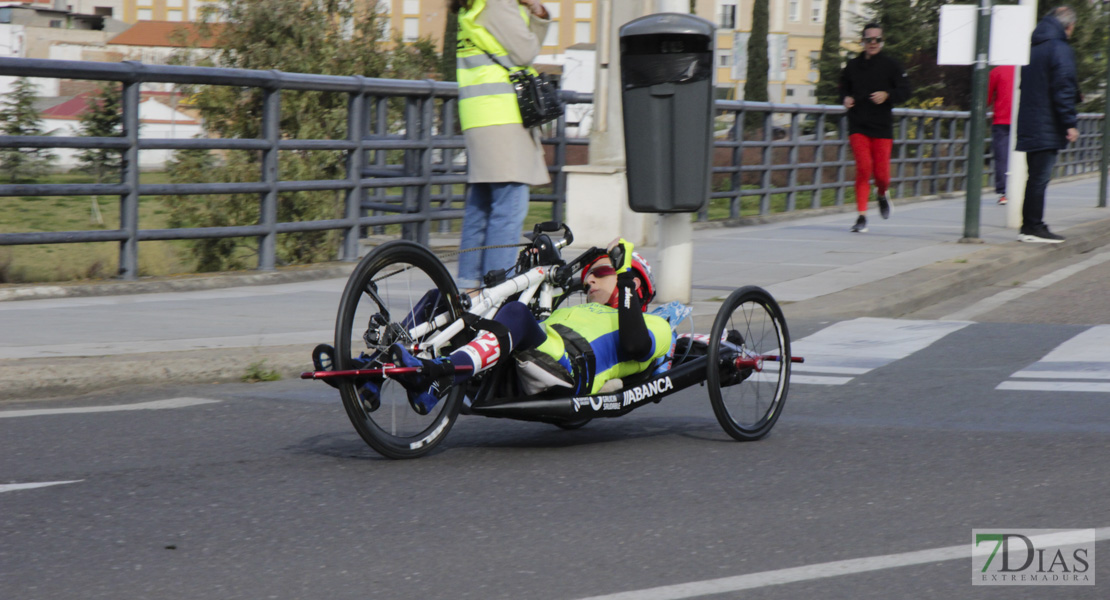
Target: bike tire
{"points": [[748, 407], [399, 273]]}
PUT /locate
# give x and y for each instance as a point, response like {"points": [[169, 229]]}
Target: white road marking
{"points": [[1055, 386], [1083, 357], [153, 405], [143, 347], [861, 345], [819, 380], [11, 487], [997, 300], [726, 585]]}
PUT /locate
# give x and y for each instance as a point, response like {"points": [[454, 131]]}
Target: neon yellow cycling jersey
{"points": [[596, 325]]}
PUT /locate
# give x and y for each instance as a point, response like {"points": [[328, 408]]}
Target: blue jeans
{"points": [[1000, 147], [494, 216], [1040, 164]]}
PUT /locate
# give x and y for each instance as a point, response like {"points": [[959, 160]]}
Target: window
{"points": [[552, 38], [727, 18], [791, 59], [175, 15], [789, 91], [794, 13], [724, 58], [412, 7], [146, 14], [174, 3], [582, 31], [56, 23], [411, 30], [103, 11], [815, 61], [552, 10], [816, 11], [583, 10]]}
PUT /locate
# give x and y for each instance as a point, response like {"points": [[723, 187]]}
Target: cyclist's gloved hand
{"points": [[620, 255]]}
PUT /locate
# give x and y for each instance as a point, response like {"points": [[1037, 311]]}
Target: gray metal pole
{"points": [[978, 123]]}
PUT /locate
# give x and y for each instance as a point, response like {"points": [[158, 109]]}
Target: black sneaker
{"points": [[1040, 235], [323, 359], [427, 386], [861, 225], [884, 205]]}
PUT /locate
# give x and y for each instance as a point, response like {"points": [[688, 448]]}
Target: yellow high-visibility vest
{"points": [[486, 96]]}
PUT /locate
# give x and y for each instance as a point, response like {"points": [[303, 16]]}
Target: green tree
{"points": [[103, 117], [755, 83], [911, 31], [329, 37], [450, 43], [830, 62], [18, 117]]}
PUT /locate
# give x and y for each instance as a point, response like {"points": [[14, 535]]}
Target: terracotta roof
{"points": [[161, 33], [70, 109]]}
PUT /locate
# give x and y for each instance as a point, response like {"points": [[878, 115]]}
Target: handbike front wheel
{"points": [[749, 364], [393, 290]]}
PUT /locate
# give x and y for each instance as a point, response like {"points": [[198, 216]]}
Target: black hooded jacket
{"points": [[860, 78], [1049, 90]]}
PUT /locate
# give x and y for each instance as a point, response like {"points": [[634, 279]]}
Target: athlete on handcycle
{"points": [[585, 349], [433, 353]]}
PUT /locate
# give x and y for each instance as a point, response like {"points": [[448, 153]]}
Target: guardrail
{"points": [[798, 153]]}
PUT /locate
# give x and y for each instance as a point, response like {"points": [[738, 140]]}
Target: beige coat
{"points": [[504, 153]]}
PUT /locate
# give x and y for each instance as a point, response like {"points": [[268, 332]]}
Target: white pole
{"points": [[1018, 173]]}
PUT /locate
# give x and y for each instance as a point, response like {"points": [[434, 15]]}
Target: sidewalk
{"points": [[207, 329]]}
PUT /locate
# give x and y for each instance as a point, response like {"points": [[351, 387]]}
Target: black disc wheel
{"points": [[749, 364], [399, 293]]}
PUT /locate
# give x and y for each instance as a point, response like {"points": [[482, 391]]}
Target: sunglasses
{"points": [[601, 271], [872, 40]]}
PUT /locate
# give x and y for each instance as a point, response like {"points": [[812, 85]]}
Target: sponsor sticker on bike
{"points": [[1033, 557]]}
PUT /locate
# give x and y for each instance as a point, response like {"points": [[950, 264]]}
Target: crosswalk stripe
{"points": [[1083, 357], [861, 345]]}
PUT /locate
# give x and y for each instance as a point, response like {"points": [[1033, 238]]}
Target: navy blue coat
{"points": [[1049, 90]]}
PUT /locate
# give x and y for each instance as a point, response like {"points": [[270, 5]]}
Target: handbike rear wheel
{"points": [[748, 397], [387, 294]]}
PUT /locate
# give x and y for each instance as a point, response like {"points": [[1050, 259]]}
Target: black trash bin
{"points": [[667, 83]]}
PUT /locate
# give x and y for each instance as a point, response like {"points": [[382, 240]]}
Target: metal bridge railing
{"points": [[768, 157]]}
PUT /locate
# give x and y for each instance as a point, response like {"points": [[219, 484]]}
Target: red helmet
{"points": [[642, 269]]}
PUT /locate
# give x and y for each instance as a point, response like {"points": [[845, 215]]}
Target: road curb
{"points": [[41, 378], [905, 293]]}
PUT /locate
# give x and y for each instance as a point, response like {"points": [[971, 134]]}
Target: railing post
{"points": [[271, 132], [356, 125], [129, 202], [427, 119]]}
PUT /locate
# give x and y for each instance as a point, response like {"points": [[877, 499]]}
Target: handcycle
{"points": [[403, 293]]}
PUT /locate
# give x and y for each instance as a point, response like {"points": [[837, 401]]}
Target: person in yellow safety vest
{"points": [[503, 158]]}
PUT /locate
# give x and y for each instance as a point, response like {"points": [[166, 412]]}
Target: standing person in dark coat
{"points": [[870, 85], [1047, 115]]}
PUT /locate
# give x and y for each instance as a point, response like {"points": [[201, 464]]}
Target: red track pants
{"points": [[872, 158]]}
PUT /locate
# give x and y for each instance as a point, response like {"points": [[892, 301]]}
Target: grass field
{"points": [[67, 262]]}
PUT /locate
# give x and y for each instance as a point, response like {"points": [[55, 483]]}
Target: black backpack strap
{"points": [[504, 338], [581, 355]]}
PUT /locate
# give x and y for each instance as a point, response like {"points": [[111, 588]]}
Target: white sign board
{"points": [[956, 45], [1011, 28]]}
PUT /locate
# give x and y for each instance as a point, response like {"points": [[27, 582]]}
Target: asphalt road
{"points": [[267, 492]]}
